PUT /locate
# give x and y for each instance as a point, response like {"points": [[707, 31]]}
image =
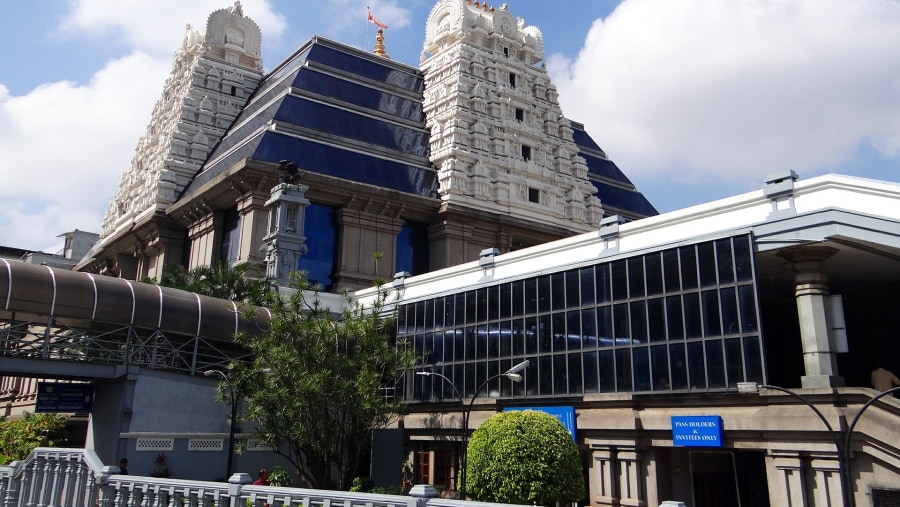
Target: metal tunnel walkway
{"points": [[57, 323]]}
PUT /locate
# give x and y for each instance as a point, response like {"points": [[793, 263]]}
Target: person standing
{"points": [[263, 479], [123, 466], [882, 379]]}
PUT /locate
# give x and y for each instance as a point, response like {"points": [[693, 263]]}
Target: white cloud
{"points": [[158, 26], [65, 147], [738, 89]]}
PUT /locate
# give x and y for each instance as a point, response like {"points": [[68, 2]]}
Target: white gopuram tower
{"points": [[498, 137], [212, 77]]}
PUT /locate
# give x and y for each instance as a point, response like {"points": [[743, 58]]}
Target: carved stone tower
{"points": [[211, 79], [498, 137]]}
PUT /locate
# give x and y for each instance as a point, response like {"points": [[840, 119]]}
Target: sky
{"points": [[695, 100]]}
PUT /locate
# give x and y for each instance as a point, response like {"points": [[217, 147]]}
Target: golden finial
{"points": [[477, 5], [492, 9], [484, 5], [379, 44]]}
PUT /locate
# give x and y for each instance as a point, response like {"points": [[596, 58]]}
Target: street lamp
{"points": [[842, 446], [512, 374], [234, 392]]}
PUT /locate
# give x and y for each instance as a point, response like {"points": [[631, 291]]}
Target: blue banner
{"points": [[697, 431], [62, 397], [566, 415]]}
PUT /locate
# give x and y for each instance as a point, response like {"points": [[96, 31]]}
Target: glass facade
{"points": [[320, 224], [412, 248], [681, 319], [231, 234]]}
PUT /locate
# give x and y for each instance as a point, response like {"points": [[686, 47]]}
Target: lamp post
{"points": [[842, 446], [234, 391], [512, 374]]}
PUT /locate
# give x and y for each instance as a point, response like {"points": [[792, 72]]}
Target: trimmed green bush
{"points": [[523, 457]]}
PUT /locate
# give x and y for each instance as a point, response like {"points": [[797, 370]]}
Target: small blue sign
{"points": [[697, 431], [61, 397], [566, 415]]}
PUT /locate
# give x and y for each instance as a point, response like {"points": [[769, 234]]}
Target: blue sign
{"points": [[697, 431], [566, 415], [60, 397]]}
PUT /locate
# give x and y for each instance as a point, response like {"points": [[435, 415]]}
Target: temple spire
{"points": [[379, 44]]}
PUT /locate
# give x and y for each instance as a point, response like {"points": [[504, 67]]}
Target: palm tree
{"points": [[222, 281]]}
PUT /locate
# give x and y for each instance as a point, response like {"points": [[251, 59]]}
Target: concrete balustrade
{"points": [[52, 477]]}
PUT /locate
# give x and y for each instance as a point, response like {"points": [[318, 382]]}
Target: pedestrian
{"points": [[123, 466], [263, 479]]}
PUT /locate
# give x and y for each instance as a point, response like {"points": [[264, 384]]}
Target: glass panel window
{"points": [[696, 365], [586, 278], [659, 364], [531, 335], [518, 337], [558, 291], [492, 332], [560, 335], [654, 277], [678, 365], [493, 302], [636, 277], [620, 318], [715, 364], [692, 322], [544, 294], [575, 383], [623, 370], [706, 257], [505, 339], [641, 364], [712, 326], [656, 319], [672, 271], [730, 324], [619, 280], [753, 359], [734, 363], [459, 345], [518, 301], [604, 283], [743, 263], [573, 329], [545, 335], [747, 303], [674, 318], [560, 375], [231, 235], [688, 267], [412, 249], [724, 261], [545, 370], [589, 369], [638, 322], [606, 378], [589, 328], [505, 301], [605, 334], [531, 305], [320, 258], [573, 291]]}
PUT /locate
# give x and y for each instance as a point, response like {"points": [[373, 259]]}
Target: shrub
{"points": [[523, 457]]}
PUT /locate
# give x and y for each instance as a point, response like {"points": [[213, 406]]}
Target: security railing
{"points": [[52, 477]]}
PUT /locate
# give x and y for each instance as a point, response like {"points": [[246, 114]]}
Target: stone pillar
{"points": [[285, 239], [629, 479], [363, 233], [601, 481], [205, 236], [788, 485], [827, 482], [254, 217], [811, 289]]}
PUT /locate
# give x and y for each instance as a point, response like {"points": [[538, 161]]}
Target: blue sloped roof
{"points": [[614, 189], [315, 111]]}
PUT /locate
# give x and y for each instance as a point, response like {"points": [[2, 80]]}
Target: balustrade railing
{"points": [[52, 477]]}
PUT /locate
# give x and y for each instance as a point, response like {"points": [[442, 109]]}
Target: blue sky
{"points": [[695, 100]]}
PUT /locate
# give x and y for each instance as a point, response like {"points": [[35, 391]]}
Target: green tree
{"points": [[324, 393], [222, 281], [18, 437], [523, 457]]}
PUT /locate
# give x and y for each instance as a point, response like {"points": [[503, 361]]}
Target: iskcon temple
{"points": [[428, 165], [730, 353]]}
